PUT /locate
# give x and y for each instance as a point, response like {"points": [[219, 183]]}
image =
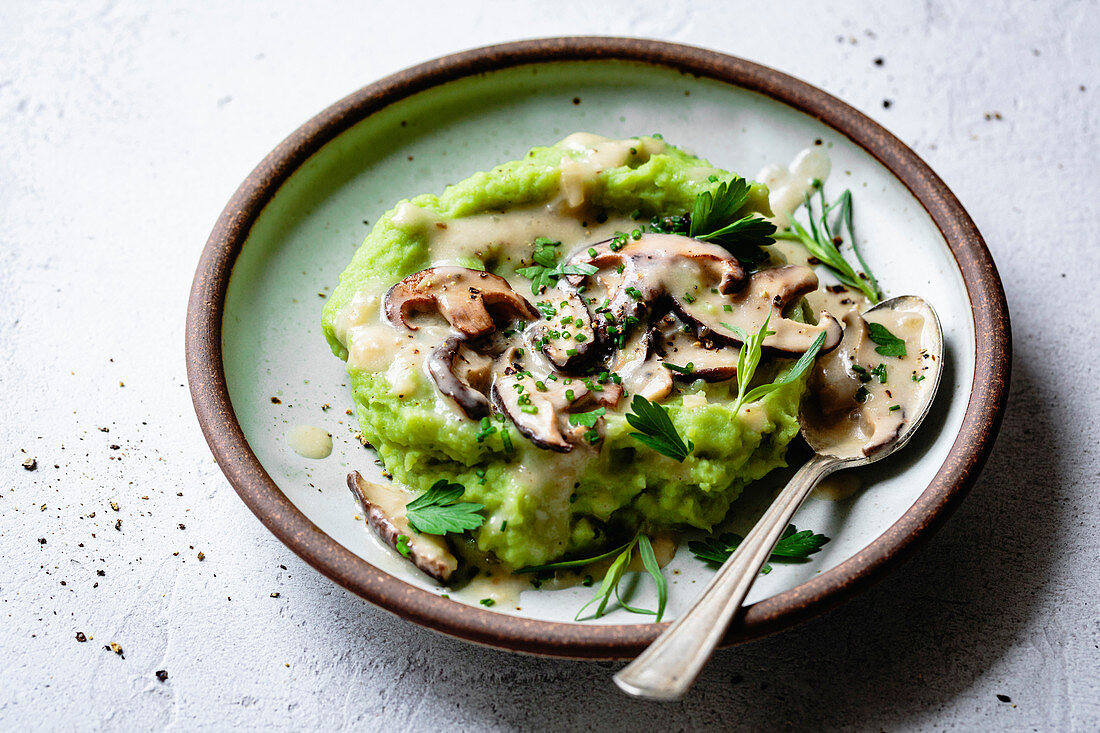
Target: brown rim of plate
{"points": [[240, 465]]}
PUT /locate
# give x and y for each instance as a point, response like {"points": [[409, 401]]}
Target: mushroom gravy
{"points": [[547, 311], [860, 399]]}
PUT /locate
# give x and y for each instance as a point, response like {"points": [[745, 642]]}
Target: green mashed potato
{"points": [[540, 505]]}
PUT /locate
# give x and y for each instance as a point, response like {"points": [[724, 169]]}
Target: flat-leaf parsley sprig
{"points": [[613, 577], [748, 359], [655, 429], [438, 511], [888, 343], [714, 219], [793, 546], [546, 271], [822, 243]]}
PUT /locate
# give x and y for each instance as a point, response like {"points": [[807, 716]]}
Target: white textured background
{"points": [[125, 127]]}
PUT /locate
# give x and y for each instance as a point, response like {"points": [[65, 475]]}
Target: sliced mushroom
{"points": [[709, 361], [572, 322], [542, 414], [463, 375], [834, 386], [640, 368], [462, 296], [385, 511], [768, 291], [698, 280], [643, 271]]}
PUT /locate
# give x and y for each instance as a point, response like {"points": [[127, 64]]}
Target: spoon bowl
{"points": [[668, 668], [824, 441]]}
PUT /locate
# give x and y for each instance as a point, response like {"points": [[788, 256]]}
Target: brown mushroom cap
{"points": [[769, 291], [834, 386], [709, 361], [542, 415], [646, 269], [384, 508], [640, 368], [462, 296], [462, 374], [574, 318]]}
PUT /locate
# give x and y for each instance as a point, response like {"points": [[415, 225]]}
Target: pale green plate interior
{"points": [[272, 343]]}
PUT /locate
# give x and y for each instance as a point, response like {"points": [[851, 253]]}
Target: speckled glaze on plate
{"points": [[253, 329]]}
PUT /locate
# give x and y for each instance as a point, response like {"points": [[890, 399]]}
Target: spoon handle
{"points": [[668, 668]]}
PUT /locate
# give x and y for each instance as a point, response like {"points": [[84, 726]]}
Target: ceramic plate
{"points": [[258, 365]]}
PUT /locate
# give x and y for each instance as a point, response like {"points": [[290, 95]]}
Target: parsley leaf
{"points": [[888, 343], [822, 244], [655, 429], [714, 219], [546, 271], [793, 545], [587, 419], [438, 511]]}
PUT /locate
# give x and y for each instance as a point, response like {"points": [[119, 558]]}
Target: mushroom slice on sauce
{"points": [[645, 270], [709, 361], [573, 318], [384, 507], [542, 416], [640, 368], [462, 374], [834, 385], [768, 291], [462, 296]]}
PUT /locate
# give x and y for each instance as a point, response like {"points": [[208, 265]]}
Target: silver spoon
{"points": [[668, 668]]}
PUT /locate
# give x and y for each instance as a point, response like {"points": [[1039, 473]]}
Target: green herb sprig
{"points": [[438, 511], [655, 429], [748, 359], [714, 219], [793, 546], [546, 271], [821, 243], [888, 343], [614, 576]]}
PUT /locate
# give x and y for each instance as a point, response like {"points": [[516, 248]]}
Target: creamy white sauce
{"points": [[385, 507], [789, 185], [861, 400], [503, 241], [838, 487], [309, 441]]}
